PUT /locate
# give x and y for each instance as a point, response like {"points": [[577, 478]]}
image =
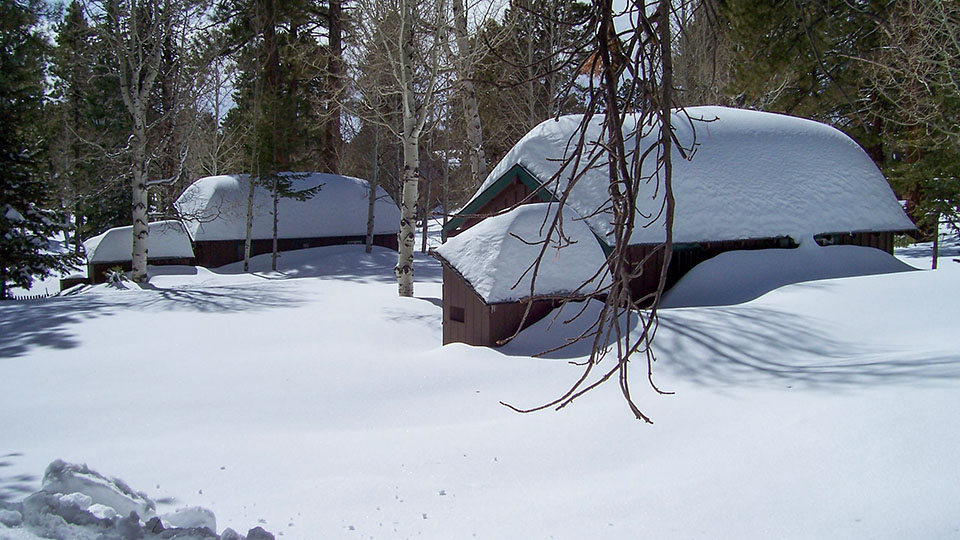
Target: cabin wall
{"points": [[467, 319], [685, 258], [215, 253], [97, 272], [879, 240]]}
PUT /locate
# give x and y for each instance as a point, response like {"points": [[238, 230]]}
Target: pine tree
{"points": [[25, 223]]}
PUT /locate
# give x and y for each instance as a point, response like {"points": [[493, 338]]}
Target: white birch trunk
{"points": [[139, 202], [138, 51], [411, 156], [408, 210], [478, 160]]}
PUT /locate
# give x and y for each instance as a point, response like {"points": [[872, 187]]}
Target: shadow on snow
{"points": [[749, 346]]}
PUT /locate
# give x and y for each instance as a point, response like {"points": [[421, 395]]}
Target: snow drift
{"points": [[735, 277]]}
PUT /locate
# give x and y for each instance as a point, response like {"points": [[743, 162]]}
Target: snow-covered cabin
{"points": [[754, 180], [167, 243], [487, 270], [214, 210]]}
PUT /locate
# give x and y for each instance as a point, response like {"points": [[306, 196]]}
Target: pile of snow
{"points": [[215, 208], [735, 277], [495, 255], [166, 240], [78, 503], [752, 175]]}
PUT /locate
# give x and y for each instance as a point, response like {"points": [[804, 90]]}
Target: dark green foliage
{"points": [[871, 68], [86, 127], [25, 223]]}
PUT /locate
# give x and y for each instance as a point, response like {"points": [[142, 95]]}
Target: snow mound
{"points": [[70, 478], [752, 175], [167, 240], [736, 277], [190, 517], [495, 254], [78, 503], [215, 208]]}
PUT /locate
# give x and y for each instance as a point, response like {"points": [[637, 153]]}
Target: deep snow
{"points": [[751, 174], [318, 404]]}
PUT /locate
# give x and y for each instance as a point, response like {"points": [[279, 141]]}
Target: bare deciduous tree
{"points": [[625, 66]]}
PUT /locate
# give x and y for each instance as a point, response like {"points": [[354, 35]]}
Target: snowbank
{"points": [[167, 240], [735, 277], [495, 254], [78, 503], [753, 175], [215, 208]]}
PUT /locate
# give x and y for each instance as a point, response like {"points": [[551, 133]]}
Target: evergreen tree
{"points": [[26, 224]]}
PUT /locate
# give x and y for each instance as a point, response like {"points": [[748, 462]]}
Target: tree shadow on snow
{"points": [[45, 323], [741, 345], [762, 346], [15, 486], [219, 299], [26, 325]]}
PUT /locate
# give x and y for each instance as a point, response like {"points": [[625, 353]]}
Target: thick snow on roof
{"points": [[167, 240], [215, 208], [492, 258], [752, 175]]}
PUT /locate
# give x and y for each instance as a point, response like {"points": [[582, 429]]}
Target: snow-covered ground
{"points": [[317, 404]]}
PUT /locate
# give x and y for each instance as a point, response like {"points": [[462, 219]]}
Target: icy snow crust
{"points": [[215, 208], [752, 175], [494, 254], [167, 239]]}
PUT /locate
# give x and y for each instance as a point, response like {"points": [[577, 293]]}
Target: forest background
{"points": [[101, 99]]}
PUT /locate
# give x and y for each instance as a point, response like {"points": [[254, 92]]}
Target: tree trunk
{"points": [[333, 139], [426, 220], [276, 221], [478, 160], [248, 240], [372, 202], [139, 198], [411, 157], [408, 212]]}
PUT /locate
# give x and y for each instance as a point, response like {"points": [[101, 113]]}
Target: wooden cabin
{"points": [[167, 244], [753, 180], [214, 210], [489, 292]]}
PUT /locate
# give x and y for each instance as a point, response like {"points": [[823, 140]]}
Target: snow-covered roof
{"points": [[215, 208], [492, 257], [752, 175], [167, 240]]}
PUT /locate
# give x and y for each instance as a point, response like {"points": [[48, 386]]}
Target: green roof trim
{"points": [[519, 172]]}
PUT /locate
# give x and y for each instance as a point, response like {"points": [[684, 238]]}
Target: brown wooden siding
{"points": [[879, 240], [214, 253], [515, 193], [483, 324], [684, 258]]}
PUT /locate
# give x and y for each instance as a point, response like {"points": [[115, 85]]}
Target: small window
{"points": [[456, 314]]}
